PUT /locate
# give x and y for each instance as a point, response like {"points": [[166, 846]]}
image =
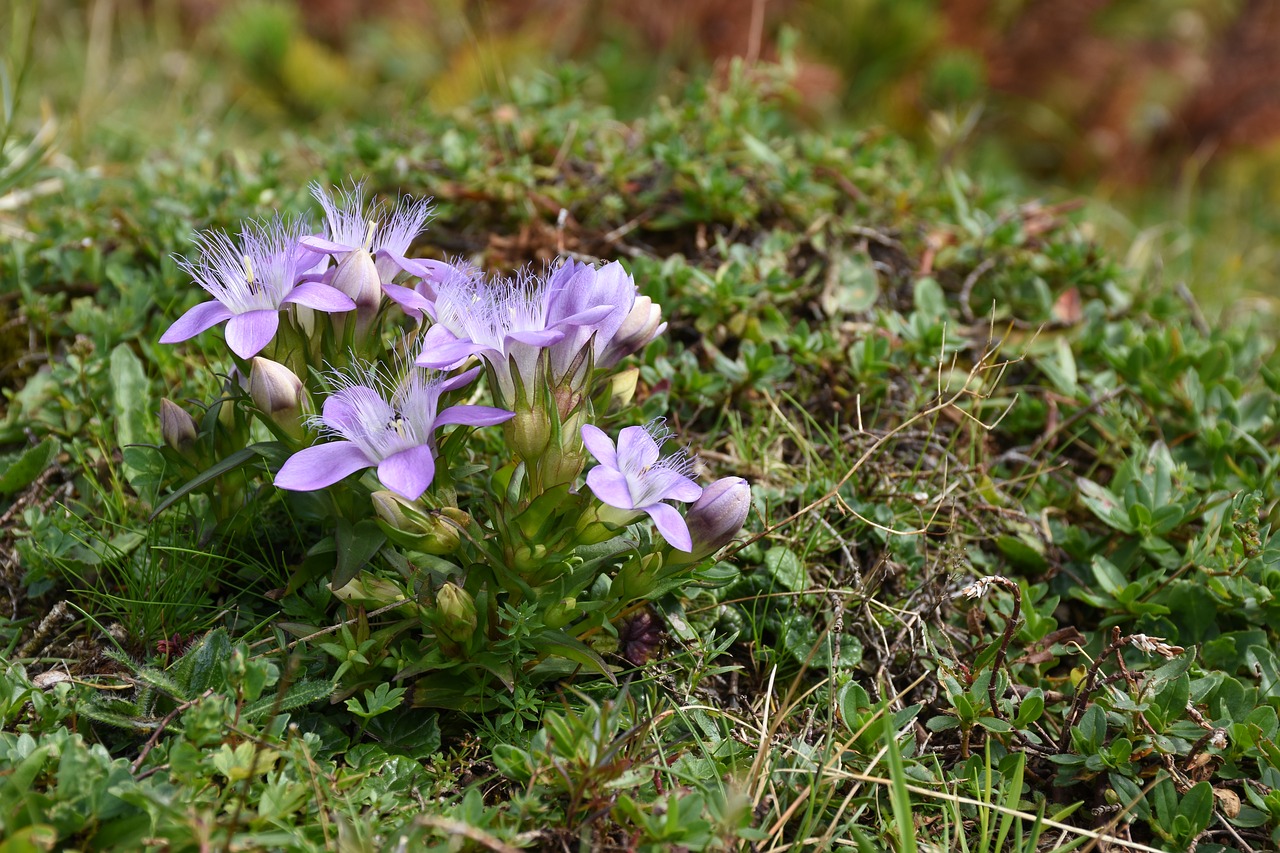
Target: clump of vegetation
{"points": [[1008, 581]]}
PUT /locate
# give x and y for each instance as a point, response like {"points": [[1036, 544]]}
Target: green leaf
{"points": [[408, 732], [1104, 504], [1022, 553], [232, 462], [994, 724], [201, 668], [899, 797], [357, 544], [303, 693], [130, 396], [1108, 576], [563, 645], [1060, 367], [26, 468], [1197, 807], [930, 301], [785, 567], [1031, 708]]}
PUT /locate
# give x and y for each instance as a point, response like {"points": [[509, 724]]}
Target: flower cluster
{"points": [[355, 356]]}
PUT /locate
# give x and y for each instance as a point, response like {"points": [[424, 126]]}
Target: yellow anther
{"points": [[368, 236]]}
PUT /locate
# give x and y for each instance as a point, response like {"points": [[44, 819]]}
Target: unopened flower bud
{"points": [[178, 429], [277, 392], [623, 387], [456, 613], [429, 531], [561, 613], [717, 516], [357, 277], [528, 433], [642, 325]]}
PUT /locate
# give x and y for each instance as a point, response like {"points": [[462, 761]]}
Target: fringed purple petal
{"points": [[413, 302], [409, 472], [589, 316], [328, 247], [442, 349], [462, 380], [321, 297], [572, 287], [667, 484], [536, 337], [571, 278], [636, 449], [389, 264], [248, 333], [347, 410], [321, 465], [610, 487], [600, 446], [196, 320], [671, 525], [427, 269], [473, 416]]}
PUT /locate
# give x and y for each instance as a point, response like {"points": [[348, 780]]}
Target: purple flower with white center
{"points": [[578, 288], [383, 425], [250, 284], [635, 476], [384, 235], [504, 321]]}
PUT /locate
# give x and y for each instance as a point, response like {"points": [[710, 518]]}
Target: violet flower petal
{"points": [[424, 268], [588, 316], [672, 485], [413, 302], [600, 445], [328, 247], [441, 348], [462, 380], [409, 472], [536, 337], [346, 410], [321, 297], [248, 333], [473, 416], [321, 465], [671, 525], [610, 486], [636, 449], [204, 316]]}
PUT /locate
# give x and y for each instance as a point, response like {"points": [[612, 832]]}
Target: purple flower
{"points": [[383, 425], [634, 477], [575, 290], [507, 322], [384, 235], [250, 284], [717, 516]]}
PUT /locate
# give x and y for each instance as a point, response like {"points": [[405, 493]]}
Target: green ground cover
{"points": [[1007, 582]]}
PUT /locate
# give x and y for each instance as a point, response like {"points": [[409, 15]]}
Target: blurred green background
{"points": [[1164, 114]]}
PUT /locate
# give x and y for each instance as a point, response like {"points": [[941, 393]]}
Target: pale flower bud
{"points": [[408, 524], [528, 433], [623, 386], [357, 277], [456, 612], [277, 392], [642, 325], [717, 516], [178, 429]]}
